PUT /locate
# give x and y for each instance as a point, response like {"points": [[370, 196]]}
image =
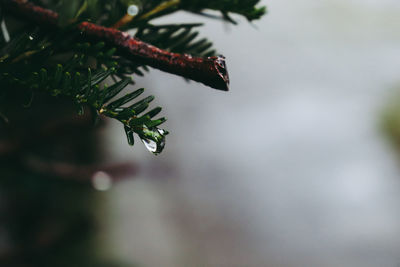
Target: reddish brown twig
{"points": [[210, 71]]}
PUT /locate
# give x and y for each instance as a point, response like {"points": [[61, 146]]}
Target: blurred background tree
{"points": [[54, 67]]}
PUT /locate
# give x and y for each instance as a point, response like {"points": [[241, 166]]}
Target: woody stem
{"points": [[210, 71]]}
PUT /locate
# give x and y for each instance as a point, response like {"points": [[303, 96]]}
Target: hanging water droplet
{"points": [[152, 145], [101, 181], [133, 10]]}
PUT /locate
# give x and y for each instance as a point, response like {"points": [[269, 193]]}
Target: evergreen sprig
{"points": [[62, 62]]}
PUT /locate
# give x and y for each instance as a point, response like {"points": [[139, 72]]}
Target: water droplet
{"points": [[133, 10], [152, 145], [101, 181], [30, 37]]}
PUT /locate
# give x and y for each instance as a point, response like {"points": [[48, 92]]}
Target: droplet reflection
{"points": [[152, 145]]}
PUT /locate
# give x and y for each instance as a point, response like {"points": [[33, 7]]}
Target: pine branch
{"points": [[154, 9], [177, 38], [65, 54], [82, 86], [210, 71], [246, 8]]}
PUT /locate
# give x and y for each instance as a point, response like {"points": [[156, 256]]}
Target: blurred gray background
{"points": [[289, 168]]}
